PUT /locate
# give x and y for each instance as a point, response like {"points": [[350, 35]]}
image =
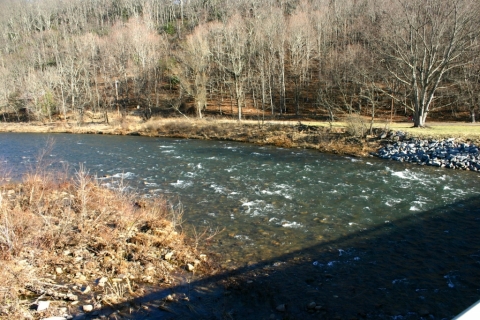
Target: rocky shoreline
{"points": [[447, 153], [85, 291], [400, 146]]}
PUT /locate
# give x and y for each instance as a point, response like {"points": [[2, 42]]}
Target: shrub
{"points": [[169, 28], [356, 126]]}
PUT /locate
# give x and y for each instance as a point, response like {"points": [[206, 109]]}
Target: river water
{"points": [[366, 219]]}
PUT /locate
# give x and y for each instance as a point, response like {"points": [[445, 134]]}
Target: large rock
{"points": [[43, 305], [87, 308]]}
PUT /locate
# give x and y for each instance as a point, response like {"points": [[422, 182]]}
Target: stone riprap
{"points": [[439, 153]]}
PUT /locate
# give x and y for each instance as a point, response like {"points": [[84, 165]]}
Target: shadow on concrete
{"points": [[424, 266]]}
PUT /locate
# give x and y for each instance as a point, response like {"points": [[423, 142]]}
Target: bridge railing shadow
{"points": [[423, 266]]}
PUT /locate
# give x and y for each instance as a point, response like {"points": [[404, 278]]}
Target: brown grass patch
{"points": [[54, 228]]}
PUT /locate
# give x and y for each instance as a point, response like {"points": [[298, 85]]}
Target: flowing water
{"points": [[277, 203]]}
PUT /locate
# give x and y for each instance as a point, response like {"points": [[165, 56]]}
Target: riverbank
{"points": [[338, 138], [258, 291], [69, 246], [282, 134]]}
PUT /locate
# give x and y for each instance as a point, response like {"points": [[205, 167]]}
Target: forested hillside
{"points": [[317, 58]]}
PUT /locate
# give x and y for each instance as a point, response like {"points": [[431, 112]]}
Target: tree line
{"points": [[295, 57]]}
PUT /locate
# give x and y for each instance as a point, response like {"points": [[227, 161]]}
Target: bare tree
{"points": [[300, 48], [231, 54], [270, 36], [469, 85], [425, 39], [193, 70]]}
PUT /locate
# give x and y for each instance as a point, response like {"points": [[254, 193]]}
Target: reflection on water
{"points": [[270, 201]]}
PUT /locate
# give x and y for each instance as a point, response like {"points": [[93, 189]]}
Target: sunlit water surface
{"points": [[271, 201]]}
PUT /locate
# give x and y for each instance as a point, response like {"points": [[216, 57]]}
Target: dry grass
{"points": [[59, 228], [356, 126], [56, 228], [333, 137]]}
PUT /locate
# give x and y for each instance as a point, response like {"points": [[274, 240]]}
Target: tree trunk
{"points": [[199, 109], [64, 108], [419, 118], [297, 97], [238, 96], [372, 120]]}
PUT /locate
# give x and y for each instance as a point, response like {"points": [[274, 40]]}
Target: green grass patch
{"points": [[438, 130]]}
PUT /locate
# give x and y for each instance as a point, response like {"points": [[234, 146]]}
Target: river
{"points": [[406, 232]]}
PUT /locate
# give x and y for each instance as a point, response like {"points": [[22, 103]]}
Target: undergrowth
{"points": [[71, 229]]}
